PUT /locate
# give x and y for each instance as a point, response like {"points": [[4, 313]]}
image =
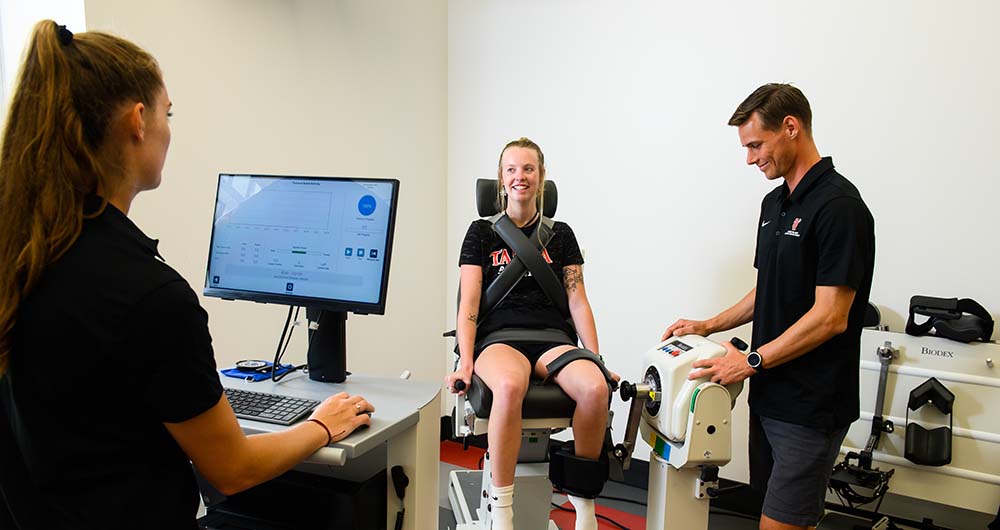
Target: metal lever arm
{"points": [[639, 394]]}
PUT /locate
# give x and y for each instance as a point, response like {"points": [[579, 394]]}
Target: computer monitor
{"points": [[323, 243]]}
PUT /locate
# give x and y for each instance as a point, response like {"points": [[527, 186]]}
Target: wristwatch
{"points": [[754, 360]]}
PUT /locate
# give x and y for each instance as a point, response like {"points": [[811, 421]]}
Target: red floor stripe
{"points": [[452, 453], [566, 519]]}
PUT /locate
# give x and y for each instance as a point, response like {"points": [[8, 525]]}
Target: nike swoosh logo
{"points": [[765, 223]]}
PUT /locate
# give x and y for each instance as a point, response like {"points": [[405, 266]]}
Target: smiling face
{"points": [[773, 152], [521, 174]]}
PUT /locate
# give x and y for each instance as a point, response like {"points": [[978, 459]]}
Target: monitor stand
{"points": [[327, 354]]}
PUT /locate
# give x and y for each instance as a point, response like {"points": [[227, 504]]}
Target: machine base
{"points": [[465, 494]]}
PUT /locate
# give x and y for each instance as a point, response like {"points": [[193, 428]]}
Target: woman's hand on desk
{"points": [[233, 461], [342, 414]]}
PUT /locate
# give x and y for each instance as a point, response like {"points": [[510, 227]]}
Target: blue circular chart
{"points": [[366, 205]]}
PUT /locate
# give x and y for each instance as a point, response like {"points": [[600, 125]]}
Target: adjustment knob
{"points": [[626, 390]]}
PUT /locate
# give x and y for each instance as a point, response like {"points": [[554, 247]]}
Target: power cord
{"points": [[283, 345], [399, 482]]}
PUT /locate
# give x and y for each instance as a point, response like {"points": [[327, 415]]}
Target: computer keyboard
{"points": [[270, 408]]}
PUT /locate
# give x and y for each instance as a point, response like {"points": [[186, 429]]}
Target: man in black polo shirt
{"points": [[815, 257]]}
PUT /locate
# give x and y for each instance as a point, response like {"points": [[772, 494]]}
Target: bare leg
{"points": [[583, 381], [506, 371]]}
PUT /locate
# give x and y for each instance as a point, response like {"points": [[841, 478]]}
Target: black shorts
{"points": [[792, 465], [531, 350]]}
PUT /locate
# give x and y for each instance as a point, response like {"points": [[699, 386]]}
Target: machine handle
{"points": [[626, 390], [459, 385]]}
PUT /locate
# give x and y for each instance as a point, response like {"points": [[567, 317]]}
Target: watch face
{"points": [[753, 359]]}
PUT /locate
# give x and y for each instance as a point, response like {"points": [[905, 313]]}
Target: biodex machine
{"points": [[688, 426]]}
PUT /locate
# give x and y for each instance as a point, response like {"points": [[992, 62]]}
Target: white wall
{"points": [[17, 18], [630, 100], [303, 87]]}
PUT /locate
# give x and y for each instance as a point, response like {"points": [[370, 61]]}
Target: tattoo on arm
{"points": [[572, 276], [473, 317]]}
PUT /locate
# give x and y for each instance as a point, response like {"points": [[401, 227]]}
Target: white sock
{"points": [[503, 507], [585, 517]]}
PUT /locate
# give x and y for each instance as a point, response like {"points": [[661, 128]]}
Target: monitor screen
{"points": [[318, 242]]}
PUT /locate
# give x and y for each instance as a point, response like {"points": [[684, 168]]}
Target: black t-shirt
{"points": [[526, 306], [821, 235], [110, 345]]}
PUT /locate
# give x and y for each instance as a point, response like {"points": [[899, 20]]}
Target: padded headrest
{"points": [[486, 198]]}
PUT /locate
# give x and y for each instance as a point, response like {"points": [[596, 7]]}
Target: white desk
{"points": [[406, 419]]}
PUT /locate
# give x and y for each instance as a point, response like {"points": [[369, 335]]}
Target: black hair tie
{"points": [[65, 35]]}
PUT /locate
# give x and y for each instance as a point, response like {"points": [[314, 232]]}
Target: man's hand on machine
{"points": [[687, 327], [463, 376], [726, 370]]}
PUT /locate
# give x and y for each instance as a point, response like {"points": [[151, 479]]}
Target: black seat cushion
{"points": [[543, 400]]}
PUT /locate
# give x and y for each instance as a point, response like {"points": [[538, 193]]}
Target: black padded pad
{"points": [[931, 392], [486, 198], [543, 400], [928, 447]]}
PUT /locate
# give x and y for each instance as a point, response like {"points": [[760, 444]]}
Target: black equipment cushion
{"points": [[931, 392], [963, 320], [575, 475], [873, 317], [929, 448], [541, 401]]}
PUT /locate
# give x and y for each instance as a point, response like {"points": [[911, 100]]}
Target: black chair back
{"points": [[873, 317]]}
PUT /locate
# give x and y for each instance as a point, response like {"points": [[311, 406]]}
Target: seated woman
{"points": [[507, 367]]}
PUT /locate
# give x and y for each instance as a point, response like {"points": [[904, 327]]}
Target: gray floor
{"points": [[909, 508], [717, 521]]}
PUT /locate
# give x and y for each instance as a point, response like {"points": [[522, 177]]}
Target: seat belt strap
{"points": [[515, 270], [531, 256]]}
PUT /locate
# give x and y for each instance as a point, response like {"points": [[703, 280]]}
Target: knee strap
{"points": [[578, 476], [574, 355]]}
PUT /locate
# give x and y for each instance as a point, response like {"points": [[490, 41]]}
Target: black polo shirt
{"points": [[107, 347], [820, 235]]}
